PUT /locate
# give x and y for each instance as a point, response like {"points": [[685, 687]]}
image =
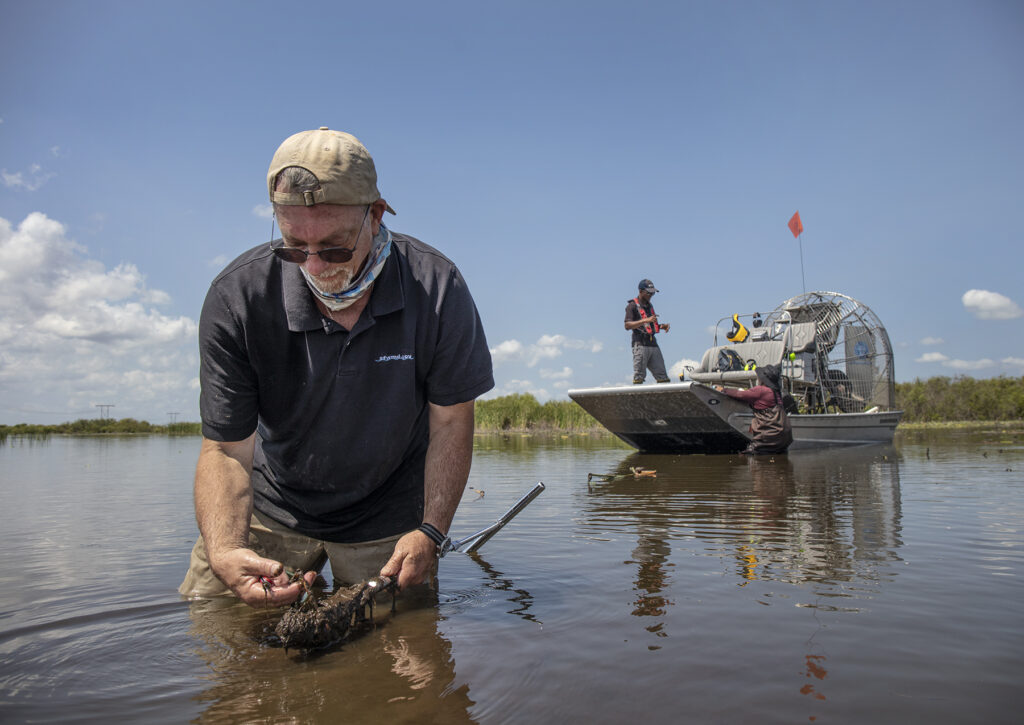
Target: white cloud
{"points": [[681, 367], [932, 341], [565, 372], [591, 346], [263, 211], [957, 364], [1017, 362], [987, 305], [507, 350], [73, 333], [156, 297], [510, 387], [29, 180], [969, 364], [219, 261], [546, 347]]}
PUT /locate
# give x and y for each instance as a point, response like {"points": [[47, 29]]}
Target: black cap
{"points": [[647, 285]]}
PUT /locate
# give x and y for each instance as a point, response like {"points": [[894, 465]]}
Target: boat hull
{"points": [[692, 418]]}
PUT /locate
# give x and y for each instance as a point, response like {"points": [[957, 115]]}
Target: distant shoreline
{"points": [[961, 424], [528, 430], [933, 404]]}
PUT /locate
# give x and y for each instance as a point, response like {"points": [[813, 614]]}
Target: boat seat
{"points": [[762, 352], [800, 337]]}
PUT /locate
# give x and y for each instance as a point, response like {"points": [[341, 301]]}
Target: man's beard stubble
{"points": [[333, 281]]}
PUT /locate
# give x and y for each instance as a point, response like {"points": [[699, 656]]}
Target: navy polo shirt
{"points": [[341, 417]]}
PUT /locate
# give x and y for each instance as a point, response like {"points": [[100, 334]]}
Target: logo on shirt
{"points": [[389, 358]]}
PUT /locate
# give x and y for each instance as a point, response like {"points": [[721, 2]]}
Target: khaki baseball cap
{"points": [[337, 159]]}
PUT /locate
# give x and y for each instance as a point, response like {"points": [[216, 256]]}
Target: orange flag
{"points": [[795, 225]]}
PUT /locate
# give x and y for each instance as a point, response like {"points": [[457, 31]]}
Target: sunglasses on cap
{"points": [[331, 255]]}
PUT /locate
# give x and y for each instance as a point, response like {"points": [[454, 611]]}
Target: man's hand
{"points": [[257, 581], [664, 326], [413, 559], [637, 324]]}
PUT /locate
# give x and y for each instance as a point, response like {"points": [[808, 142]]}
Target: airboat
{"points": [[837, 374]]}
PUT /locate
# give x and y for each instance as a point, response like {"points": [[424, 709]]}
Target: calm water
{"points": [[870, 585]]}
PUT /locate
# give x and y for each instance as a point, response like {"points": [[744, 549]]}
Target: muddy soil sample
{"points": [[321, 622]]}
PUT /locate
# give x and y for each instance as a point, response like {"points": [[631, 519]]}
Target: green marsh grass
{"points": [[958, 401]]}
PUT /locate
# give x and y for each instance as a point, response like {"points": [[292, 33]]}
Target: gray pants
{"points": [[648, 357], [350, 563]]}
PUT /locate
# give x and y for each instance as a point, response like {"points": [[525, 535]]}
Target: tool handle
{"points": [[481, 537]]}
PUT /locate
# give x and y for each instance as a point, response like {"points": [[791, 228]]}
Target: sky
{"points": [[557, 151]]}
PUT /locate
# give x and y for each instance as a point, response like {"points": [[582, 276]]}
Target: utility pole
{"points": [[104, 410], [173, 417]]}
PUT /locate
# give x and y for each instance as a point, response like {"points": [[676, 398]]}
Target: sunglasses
{"points": [[331, 255]]}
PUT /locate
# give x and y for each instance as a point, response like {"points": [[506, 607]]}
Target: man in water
{"points": [[641, 319], [770, 430], [339, 367]]}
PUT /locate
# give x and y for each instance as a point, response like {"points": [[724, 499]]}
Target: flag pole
{"points": [[797, 228], [803, 282]]}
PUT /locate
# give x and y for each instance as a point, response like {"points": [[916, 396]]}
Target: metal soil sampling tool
{"points": [[314, 623], [475, 541]]}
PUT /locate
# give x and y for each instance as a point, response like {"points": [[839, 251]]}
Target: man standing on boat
{"points": [[642, 320]]}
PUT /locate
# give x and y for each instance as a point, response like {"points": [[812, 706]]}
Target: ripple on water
{"points": [[140, 649], [720, 589]]}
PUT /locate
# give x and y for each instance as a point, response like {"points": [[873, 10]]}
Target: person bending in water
{"points": [[338, 368], [770, 428]]}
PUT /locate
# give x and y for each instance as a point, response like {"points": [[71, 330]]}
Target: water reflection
{"points": [[823, 528], [401, 669], [521, 599], [651, 559], [726, 588], [830, 518], [814, 668], [525, 445]]}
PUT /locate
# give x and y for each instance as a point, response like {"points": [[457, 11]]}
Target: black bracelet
{"points": [[432, 532]]}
